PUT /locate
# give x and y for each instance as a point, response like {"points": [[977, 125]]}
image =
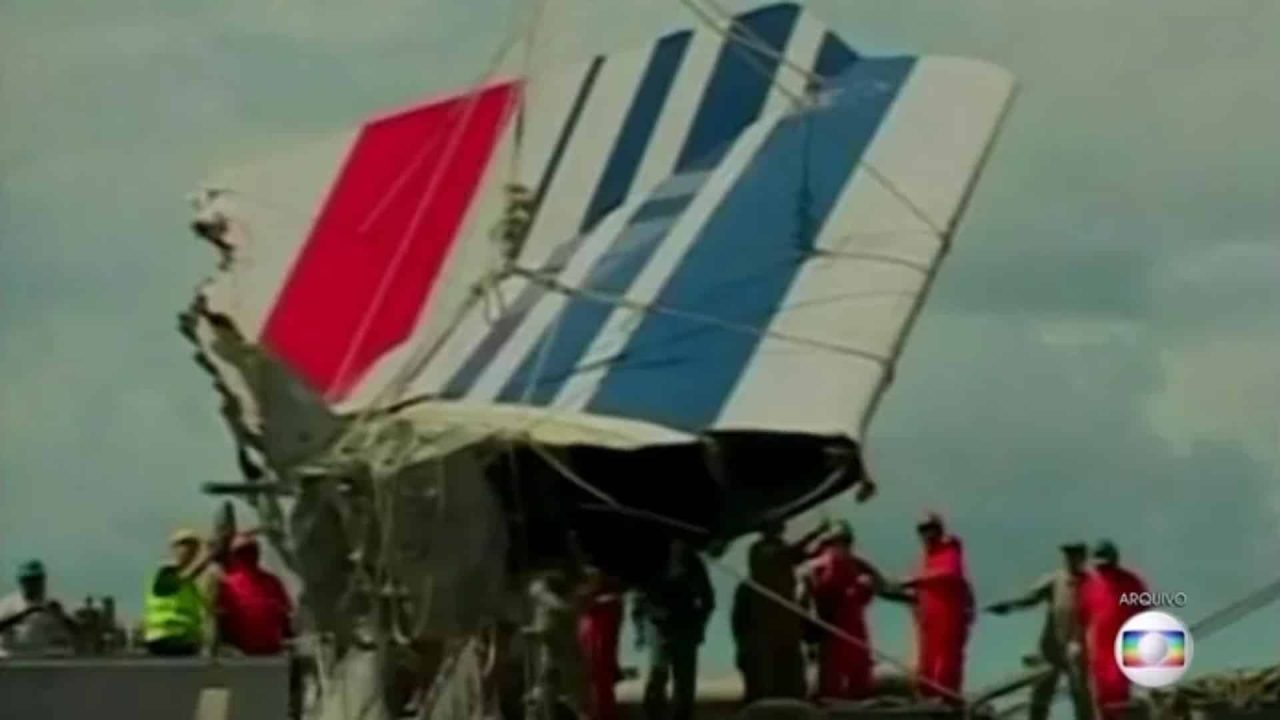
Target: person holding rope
{"points": [[1062, 638], [943, 600], [842, 585]]}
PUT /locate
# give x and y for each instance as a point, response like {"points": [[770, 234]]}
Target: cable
{"points": [[734, 31], [624, 302], [729, 35], [490, 71], [754, 42], [1235, 612], [434, 182], [812, 79]]}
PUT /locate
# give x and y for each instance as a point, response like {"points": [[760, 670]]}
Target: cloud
{"points": [[1226, 390]]}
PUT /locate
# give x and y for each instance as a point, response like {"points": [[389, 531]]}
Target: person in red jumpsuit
{"points": [[598, 629], [944, 611], [1102, 616], [254, 610], [842, 585]]}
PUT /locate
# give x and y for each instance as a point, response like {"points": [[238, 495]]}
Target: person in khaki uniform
{"points": [[1062, 637]]}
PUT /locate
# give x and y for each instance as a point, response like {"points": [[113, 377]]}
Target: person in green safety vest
{"points": [[175, 616]]}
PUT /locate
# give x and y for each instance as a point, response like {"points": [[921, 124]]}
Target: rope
{"points": [[491, 69], [1235, 612], [745, 36], [455, 140], [812, 79], [517, 204], [646, 515], [402, 247], [731, 35], [919, 213], [624, 302], [530, 35]]}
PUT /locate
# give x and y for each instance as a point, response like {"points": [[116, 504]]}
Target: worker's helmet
{"points": [[1075, 549], [184, 536], [1106, 551], [843, 532], [31, 570]]}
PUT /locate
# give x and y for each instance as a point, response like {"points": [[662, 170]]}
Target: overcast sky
{"points": [[1099, 356]]}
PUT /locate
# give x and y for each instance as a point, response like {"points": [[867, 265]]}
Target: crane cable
{"points": [[1237, 611], [723, 22], [731, 36], [733, 32], [427, 350]]}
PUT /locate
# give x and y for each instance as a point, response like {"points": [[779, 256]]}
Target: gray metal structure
{"points": [[144, 689]]}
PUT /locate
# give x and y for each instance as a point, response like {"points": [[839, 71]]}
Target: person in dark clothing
{"points": [[671, 615], [769, 634]]}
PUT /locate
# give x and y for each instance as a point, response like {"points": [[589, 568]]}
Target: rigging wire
{"points": [[490, 70], [725, 23], [429, 349], [655, 308], [1233, 613], [742, 35], [402, 245], [731, 36], [530, 38], [466, 110]]}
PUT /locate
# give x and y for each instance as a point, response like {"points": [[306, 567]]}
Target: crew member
{"points": [[842, 585], [31, 623], [672, 614], [1061, 638], [560, 679], [771, 629], [598, 630], [1104, 615], [253, 608], [174, 615], [943, 602]]}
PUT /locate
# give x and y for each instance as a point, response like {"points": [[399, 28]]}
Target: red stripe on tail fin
{"points": [[376, 250]]}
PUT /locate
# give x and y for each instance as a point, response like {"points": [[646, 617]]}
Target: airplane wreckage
{"points": [[573, 314]]}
